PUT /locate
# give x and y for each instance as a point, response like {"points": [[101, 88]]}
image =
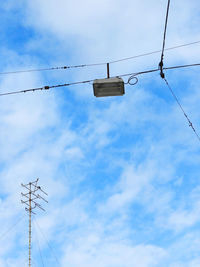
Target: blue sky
{"points": [[122, 173]]}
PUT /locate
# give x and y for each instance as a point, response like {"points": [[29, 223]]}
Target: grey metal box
{"points": [[108, 87]]}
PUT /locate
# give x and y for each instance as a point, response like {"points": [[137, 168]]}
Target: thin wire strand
{"points": [[53, 253], [11, 227], [155, 70], [153, 52], [163, 45], [38, 243], [180, 106], [99, 64], [32, 70], [182, 66], [22, 91], [33, 263], [165, 30], [44, 88], [176, 67]]}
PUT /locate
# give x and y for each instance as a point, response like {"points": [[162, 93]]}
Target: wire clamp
{"points": [[162, 75], [190, 124]]}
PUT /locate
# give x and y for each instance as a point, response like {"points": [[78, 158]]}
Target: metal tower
{"points": [[31, 200]]}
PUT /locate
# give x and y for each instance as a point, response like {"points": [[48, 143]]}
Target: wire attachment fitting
{"points": [[162, 75], [132, 77]]}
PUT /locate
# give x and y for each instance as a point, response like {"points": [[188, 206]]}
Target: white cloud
{"points": [[112, 29], [113, 254]]}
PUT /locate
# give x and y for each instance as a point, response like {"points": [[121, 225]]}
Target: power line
{"points": [[180, 106], [157, 69], [182, 66], [40, 252], [99, 64], [24, 91], [44, 88], [88, 81], [52, 250], [11, 227], [151, 53], [165, 30], [164, 37], [176, 67]]}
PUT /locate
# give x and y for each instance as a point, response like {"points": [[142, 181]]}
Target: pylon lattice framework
{"points": [[30, 200]]}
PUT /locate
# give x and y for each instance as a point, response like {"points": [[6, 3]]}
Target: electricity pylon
{"points": [[31, 201]]}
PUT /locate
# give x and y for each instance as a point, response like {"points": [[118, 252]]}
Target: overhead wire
{"points": [[175, 67], [52, 250], [182, 66], [44, 88], [47, 87], [180, 106], [153, 52], [157, 69], [11, 227], [164, 38], [98, 64], [40, 252]]}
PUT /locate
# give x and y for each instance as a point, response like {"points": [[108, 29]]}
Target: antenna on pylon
{"points": [[31, 201]]}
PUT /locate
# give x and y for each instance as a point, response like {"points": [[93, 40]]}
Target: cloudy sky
{"points": [[122, 173]]}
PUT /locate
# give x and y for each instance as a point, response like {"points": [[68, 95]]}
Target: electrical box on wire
{"points": [[108, 87]]}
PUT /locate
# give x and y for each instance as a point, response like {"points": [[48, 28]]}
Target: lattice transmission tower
{"points": [[31, 199]]}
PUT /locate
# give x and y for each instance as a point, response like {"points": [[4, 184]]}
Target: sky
{"points": [[121, 173]]}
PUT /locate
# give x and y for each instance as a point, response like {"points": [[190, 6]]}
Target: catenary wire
{"points": [[153, 52], [53, 253], [182, 66], [99, 64], [176, 67], [180, 106], [40, 252], [44, 88], [165, 30], [88, 81], [12, 227], [157, 69], [164, 38]]}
